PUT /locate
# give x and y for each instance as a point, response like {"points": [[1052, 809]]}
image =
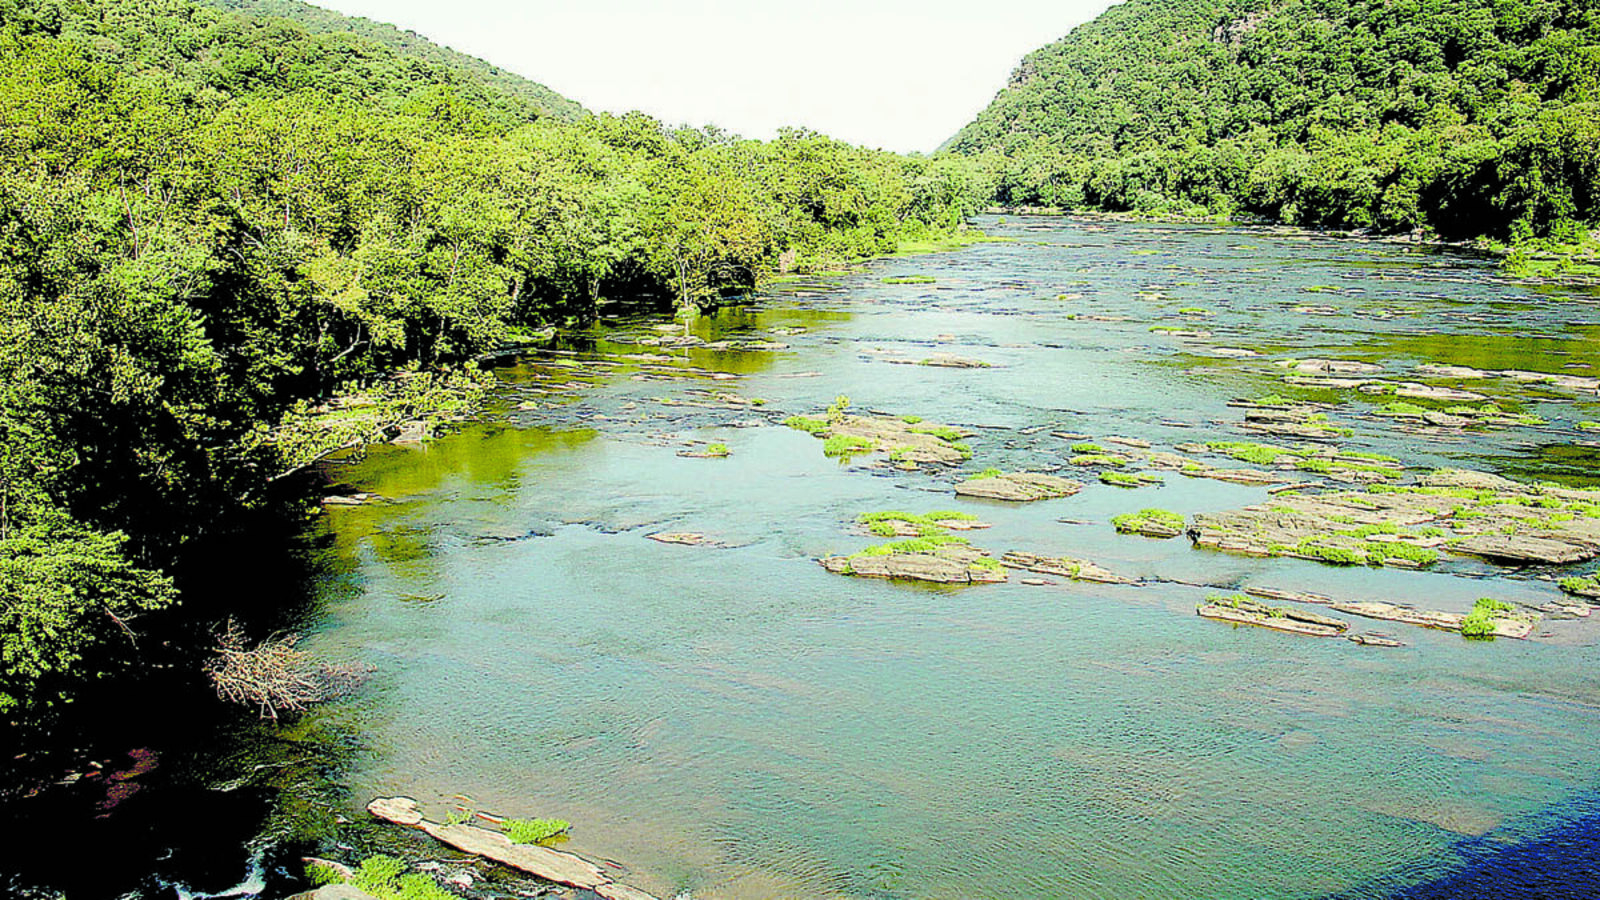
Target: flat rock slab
{"points": [[334, 892], [917, 442], [543, 862], [945, 564], [1075, 569], [1021, 487], [1275, 618], [1392, 612], [1453, 511], [945, 361], [1237, 476], [1522, 549], [686, 538], [551, 865], [1331, 366], [399, 810], [1373, 639]]}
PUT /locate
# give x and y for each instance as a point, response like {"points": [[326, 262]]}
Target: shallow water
{"points": [[735, 722]]}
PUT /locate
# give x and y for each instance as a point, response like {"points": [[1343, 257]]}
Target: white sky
{"points": [[902, 75]]}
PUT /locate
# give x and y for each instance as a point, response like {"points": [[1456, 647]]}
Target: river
{"points": [[729, 720]]}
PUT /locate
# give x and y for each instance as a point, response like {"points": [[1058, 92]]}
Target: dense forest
{"points": [[213, 219], [1464, 118]]}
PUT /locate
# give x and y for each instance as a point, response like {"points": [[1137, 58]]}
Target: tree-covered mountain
{"points": [[1466, 117], [229, 49], [211, 222], [410, 46]]}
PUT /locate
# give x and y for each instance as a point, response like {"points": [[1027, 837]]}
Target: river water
{"points": [[732, 721]]}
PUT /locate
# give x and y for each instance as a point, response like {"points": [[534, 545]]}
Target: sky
{"points": [[900, 75]]}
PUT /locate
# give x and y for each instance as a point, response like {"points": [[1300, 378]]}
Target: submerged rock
{"points": [[1330, 366], [1375, 639], [1019, 486], [687, 538]]}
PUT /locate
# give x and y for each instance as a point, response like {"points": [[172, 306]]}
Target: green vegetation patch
{"points": [[1245, 451], [808, 425], [925, 524], [910, 279], [845, 444], [1146, 520], [928, 544], [532, 831], [1097, 459], [1480, 622], [1129, 479], [1582, 584], [942, 432], [386, 878]]}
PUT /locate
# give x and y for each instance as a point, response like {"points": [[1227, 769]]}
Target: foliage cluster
{"points": [[1464, 118], [1479, 623], [212, 221]]}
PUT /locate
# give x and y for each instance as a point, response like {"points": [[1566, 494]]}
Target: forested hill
{"points": [[411, 46], [211, 223], [221, 49], [1469, 117]]}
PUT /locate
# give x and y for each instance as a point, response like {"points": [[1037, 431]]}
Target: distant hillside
{"points": [[1466, 116], [237, 48], [411, 44]]}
